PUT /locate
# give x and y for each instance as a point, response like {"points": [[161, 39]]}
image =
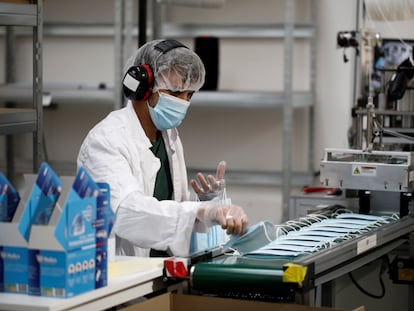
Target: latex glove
{"points": [[210, 187], [232, 218]]}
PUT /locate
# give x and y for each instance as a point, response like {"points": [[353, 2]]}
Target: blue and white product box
{"points": [[67, 246], [104, 223], [9, 200], [35, 208], [14, 251]]}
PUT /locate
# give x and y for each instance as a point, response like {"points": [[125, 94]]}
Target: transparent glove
{"points": [[232, 218], [211, 187]]}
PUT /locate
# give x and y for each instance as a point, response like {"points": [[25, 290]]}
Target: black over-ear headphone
{"points": [[138, 81]]}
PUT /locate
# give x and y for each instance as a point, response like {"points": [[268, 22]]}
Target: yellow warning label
{"points": [[364, 170]]}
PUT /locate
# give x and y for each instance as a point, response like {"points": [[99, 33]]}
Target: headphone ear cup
{"points": [[138, 82]]}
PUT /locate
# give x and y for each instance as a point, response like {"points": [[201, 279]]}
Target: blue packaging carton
{"points": [[36, 207], [105, 219], [9, 200], [69, 253]]}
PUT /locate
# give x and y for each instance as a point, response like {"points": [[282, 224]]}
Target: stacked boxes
{"points": [[14, 234], [9, 199], [103, 226], [62, 231]]}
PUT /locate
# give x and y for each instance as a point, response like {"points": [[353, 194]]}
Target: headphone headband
{"points": [[167, 45]]}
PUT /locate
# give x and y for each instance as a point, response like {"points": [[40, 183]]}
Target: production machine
{"points": [[293, 261]]}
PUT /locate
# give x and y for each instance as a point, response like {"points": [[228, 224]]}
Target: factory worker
{"points": [[137, 150]]}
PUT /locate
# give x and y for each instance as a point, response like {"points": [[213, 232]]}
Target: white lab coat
{"points": [[117, 151]]}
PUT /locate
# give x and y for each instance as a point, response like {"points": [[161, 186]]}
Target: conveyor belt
{"points": [[288, 278]]}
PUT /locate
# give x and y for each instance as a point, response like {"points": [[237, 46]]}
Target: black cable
{"points": [[367, 293], [381, 281]]}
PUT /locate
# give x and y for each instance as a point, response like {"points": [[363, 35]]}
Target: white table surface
{"points": [[128, 278]]}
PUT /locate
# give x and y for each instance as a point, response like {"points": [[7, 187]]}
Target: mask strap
{"points": [[266, 233], [149, 106]]}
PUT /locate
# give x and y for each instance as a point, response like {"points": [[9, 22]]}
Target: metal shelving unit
{"points": [[21, 120]]}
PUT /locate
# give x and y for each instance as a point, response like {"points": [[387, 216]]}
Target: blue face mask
{"points": [[169, 111], [254, 238]]}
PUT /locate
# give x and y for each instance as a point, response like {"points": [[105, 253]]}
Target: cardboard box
{"points": [[36, 206], [9, 200], [56, 245], [72, 248], [178, 302], [9, 239], [105, 219]]}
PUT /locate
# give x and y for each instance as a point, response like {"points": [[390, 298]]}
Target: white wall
{"points": [[334, 77]]}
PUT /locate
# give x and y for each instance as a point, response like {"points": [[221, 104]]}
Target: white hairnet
{"points": [[179, 69]]}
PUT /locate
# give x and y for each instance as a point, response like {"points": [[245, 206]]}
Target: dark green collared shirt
{"points": [[163, 182]]}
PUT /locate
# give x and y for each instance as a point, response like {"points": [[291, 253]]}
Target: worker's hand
{"points": [[232, 218], [210, 187]]}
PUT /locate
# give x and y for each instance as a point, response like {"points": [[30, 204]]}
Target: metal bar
{"points": [[410, 302], [287, 107], [10, 54], [38, 87], [356, 122], [128, 27], [249, 99], [157, 12], [12, 118], [359, 131], [311, 134], [118, 53], [11, 129], [356, 63], [172, 30], [10, 78], [254, 31], [81, 93], [18, 14], [386, 112], [123, 42]]}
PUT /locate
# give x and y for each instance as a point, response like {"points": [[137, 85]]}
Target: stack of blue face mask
{"points": [[306, 237], [216, 236]]}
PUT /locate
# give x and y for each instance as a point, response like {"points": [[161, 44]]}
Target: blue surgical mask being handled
{"points": [[169, 111], [255, 237]]}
